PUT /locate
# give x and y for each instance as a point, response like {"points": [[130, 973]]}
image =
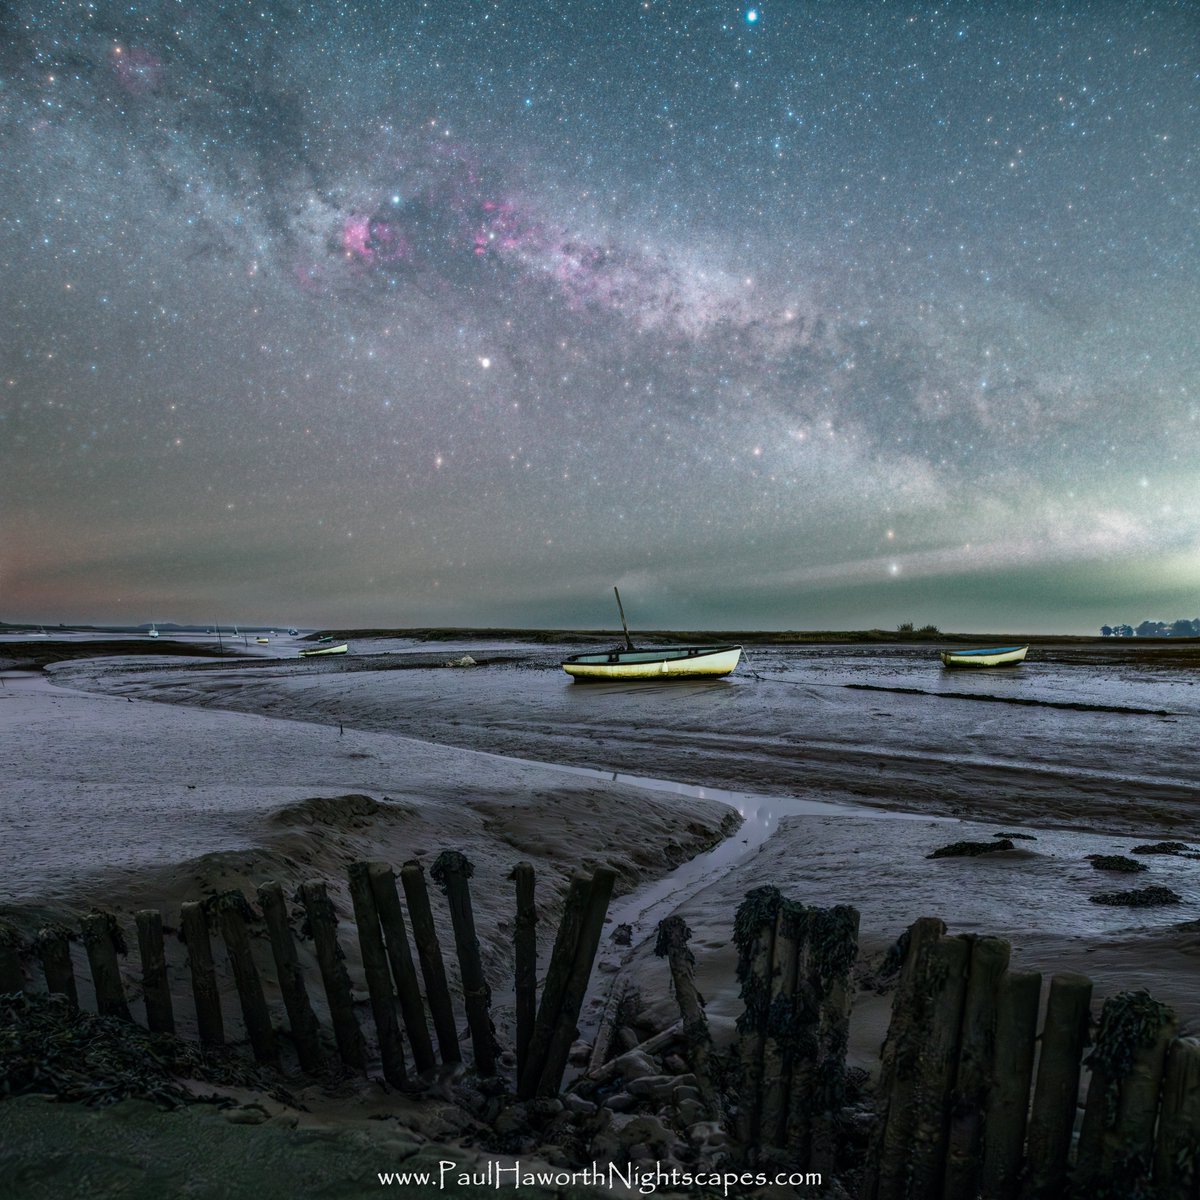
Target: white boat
{"points": [[338, 649], [989, 656], [664, 662], [153, 631]]}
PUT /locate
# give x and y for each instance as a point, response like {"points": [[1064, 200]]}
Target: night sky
{"points": [[804, 315]]}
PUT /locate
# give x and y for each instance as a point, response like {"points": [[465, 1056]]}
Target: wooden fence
{"points": [[972, 1101], [401, 1010]]}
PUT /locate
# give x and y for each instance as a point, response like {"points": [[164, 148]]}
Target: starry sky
{"points": [[810, 314]]}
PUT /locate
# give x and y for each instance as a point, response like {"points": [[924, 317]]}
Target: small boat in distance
{"points": [[339, 649], [991, 656], [153, 630], [663, 662], [262, 641]]}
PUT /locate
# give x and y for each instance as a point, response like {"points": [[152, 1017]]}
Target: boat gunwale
{"points": [[985, 650]]}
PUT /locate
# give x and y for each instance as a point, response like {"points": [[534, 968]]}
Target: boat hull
{"points": [[324, 650], [669, 662], [1000, 656]]}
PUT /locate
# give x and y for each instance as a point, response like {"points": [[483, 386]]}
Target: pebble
{"points": [[578, 1105], [634, 1064]]}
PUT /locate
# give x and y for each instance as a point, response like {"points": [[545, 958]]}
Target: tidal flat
{"points": [[833, 771]]}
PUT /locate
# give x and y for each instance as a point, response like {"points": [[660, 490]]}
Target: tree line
{"points": [[1181, 628]]}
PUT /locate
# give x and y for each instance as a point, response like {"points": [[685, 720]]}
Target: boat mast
{"points": [[621, 608]]}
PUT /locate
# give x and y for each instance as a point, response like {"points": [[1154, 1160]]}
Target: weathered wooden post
{"points": [[379, 980], [947, 987], [525, 955], [1177, 1150], [451, 871], [973, 1077], [887, 1156], [1056, 1092], [233, 914], [404, 975], [54, 949], [301, 1018], [193, 923], [429, 951], [103, 941], [783, 1034], [754, 935], [156, 990], [832, 949], [561, 958], [672, 943], [12, 978], [322, 923], [1116, 1138], [565, 1030], [1012, 1072]]}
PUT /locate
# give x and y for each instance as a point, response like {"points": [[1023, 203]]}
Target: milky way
{"points": [[802, 316]]}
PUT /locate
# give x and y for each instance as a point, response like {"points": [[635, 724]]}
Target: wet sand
{"points": [[236, 769], [830, 771]]}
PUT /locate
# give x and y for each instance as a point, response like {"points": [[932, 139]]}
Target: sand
{"points": [[136, 782]]}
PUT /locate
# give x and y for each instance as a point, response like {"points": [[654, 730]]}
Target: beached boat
{"points": [[990, 656], [339, 649], [262, 641], [153, 630], [664, 662]]}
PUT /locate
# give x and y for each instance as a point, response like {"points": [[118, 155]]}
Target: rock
{"points": [[676, 1064], [544, 1107], [657, 1086], [246, 1114], [707, 1133], [649, 1130], [577, 1105], [625, 1039], [465, 661], [512, 1120], [619, 1102], [580, 1053], [622, 935], [634, 1064], [685, 1091], [286, 1121], [690, 1112]]}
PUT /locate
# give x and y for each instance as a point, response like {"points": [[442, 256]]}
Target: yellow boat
{"points": [[339, 649], [666, 662], [993, 656]]}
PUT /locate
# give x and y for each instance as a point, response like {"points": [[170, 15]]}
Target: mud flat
{"points": [[833, 773]]}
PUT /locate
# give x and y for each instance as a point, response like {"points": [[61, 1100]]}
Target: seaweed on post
{"points": [[1127, 1061], [754, 936]]}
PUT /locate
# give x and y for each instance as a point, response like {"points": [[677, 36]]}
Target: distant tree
{"points": [[907, 627], [1106, 631], [932, 629], [1124, 631], [1151, 629], [1183, 628]]}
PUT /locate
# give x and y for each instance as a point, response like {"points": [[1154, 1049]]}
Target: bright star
{"points": [[751, 16]]}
